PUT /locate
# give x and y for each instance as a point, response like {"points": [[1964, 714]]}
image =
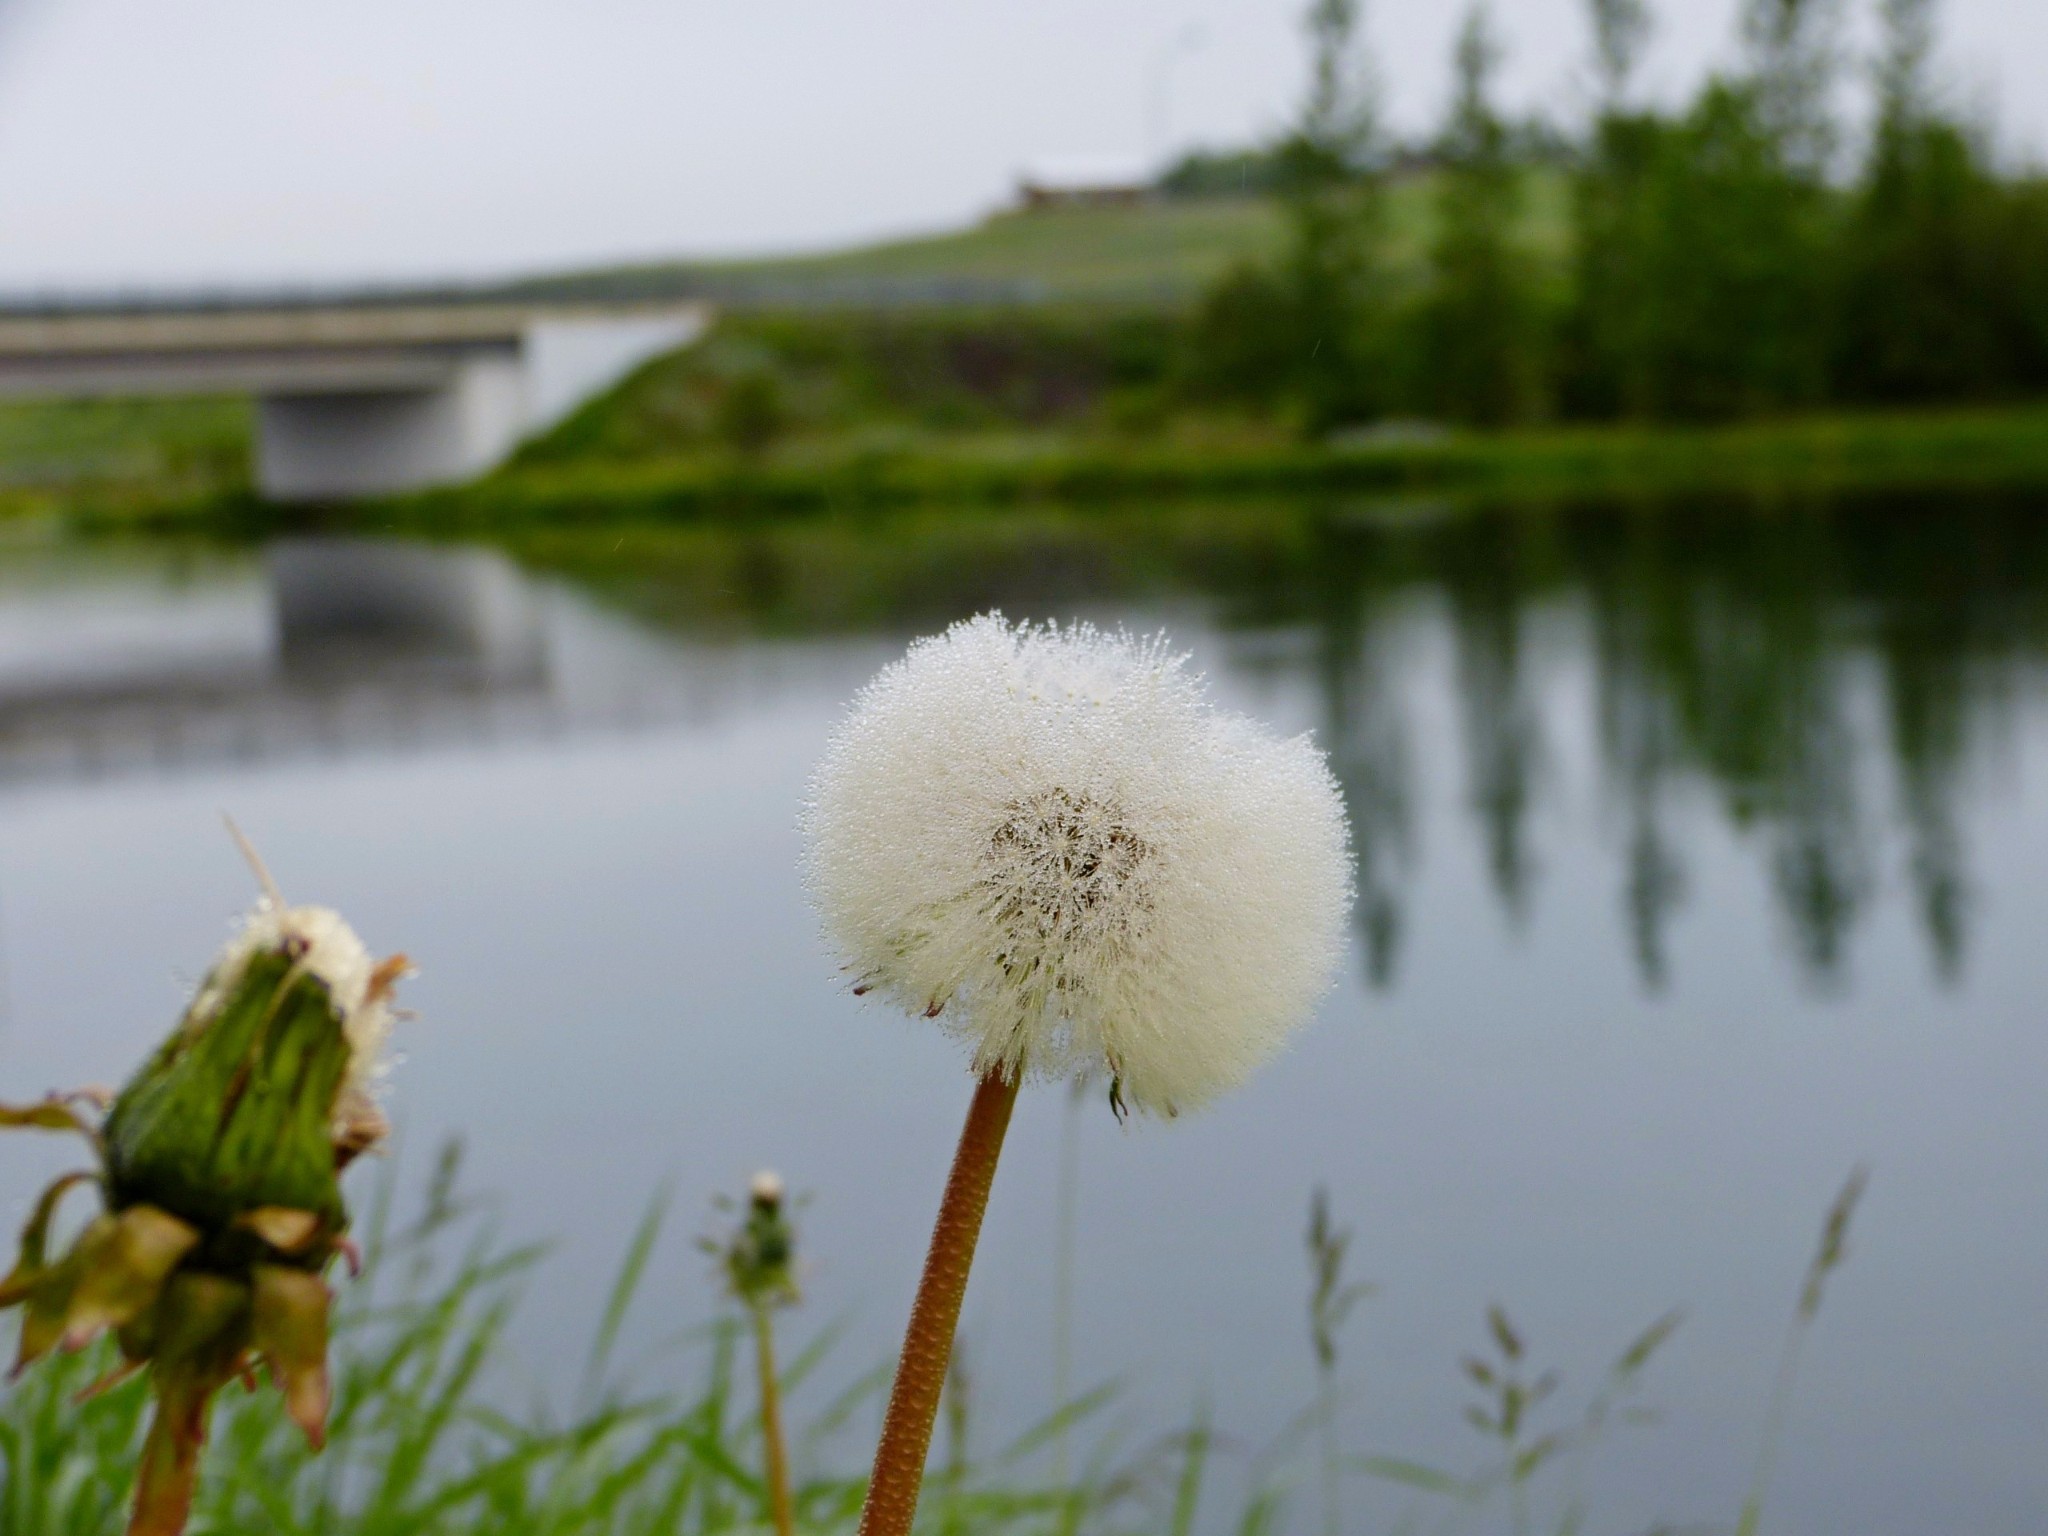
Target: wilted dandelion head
{"points": [[1051, 841], [327, 949]]}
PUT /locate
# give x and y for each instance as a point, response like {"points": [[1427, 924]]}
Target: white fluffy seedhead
{"points": [[329, 951], [1051, 841]]}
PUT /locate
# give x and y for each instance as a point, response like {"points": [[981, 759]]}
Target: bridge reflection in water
{"points": [[323, 648]]}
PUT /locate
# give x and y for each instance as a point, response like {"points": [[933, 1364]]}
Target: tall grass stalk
{"points": [[1066, 1220], [1827, 1258], [1331, 1299]]}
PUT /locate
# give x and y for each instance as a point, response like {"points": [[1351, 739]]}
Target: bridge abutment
{"points": [[372, 442]]}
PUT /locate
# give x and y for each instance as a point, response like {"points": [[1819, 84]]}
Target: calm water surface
{"points": [[1703, 856]]}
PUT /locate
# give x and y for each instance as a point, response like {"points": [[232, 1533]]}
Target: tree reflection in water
{"points": [[1729, 646], [1366, 735], [1486, 579], [1735, 647]]}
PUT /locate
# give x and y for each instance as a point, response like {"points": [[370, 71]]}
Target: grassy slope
{"points": [[1171, 248], [68, 442], [1164, 250], [1149, 251], [122, 460], [1061, 403]]}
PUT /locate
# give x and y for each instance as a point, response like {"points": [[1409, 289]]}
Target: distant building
{"points": [[1084, 184]]}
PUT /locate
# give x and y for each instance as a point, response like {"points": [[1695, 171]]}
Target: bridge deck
{"points": [[299, 349]]}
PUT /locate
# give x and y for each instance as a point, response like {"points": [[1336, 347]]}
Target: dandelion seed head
{"points": [[1053, 843]]}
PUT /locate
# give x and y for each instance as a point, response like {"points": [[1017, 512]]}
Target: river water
{"points": [[1703, 858]]}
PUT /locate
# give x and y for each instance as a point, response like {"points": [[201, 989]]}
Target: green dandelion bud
{"points": [[759, 1259], [219, 1172]]}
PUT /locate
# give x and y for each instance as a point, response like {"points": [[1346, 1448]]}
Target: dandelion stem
{"points": [[168, 1475], [776, 1451], [935, 1315]]}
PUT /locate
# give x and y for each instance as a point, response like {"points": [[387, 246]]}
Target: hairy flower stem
{"points": [[935, 1315], [168, 1475], [166, 1481], [771, 1424]]}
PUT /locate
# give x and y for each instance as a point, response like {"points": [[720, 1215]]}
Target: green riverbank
{"points": [[1920, 450], [1927, 450], [1909, 451]]}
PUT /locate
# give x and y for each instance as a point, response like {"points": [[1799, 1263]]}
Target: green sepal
{"points": [[235, 1111], [49, 1298], [289, 1330], [54, 1113], [121, 1273], [202, 1326], [137, 1337], [30, 1265], [111, 1277]]}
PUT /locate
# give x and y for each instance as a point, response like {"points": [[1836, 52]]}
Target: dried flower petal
{"points": [[123, 1262], [289, 1329]]}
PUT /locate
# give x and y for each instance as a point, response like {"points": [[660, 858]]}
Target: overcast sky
{"points": [[177, 142]]}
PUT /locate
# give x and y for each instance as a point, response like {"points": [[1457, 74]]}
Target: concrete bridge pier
{"points": [[369, 442]]}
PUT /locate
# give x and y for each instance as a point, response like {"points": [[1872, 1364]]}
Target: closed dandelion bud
{"points": [[220, 1165], [238, 1112], [759, 1260]]}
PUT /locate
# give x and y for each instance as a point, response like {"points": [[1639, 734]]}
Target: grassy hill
{"points": [[1068, 263], [1161, 251], [1148, 252]]}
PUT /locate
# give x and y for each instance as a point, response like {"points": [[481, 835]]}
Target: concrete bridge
{"points": [[353, 397]]}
